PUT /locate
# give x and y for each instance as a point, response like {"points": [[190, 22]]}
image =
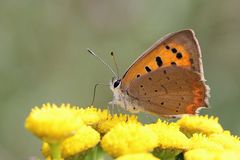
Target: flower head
{"points": [[203, 154], [227, 154], [199, 124], [49, 158], [226, 140], [169, 136], [52, 123], [202, 141], [127, 138], [199, 154], [91, 115], [107, 124], [137, 156], [85, 138]]}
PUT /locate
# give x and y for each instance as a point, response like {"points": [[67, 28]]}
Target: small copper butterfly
{"points": [[166, 80]]}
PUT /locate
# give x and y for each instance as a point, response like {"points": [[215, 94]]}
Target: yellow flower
{"points": [[202, 141], [49, 158], [52, 123], [169, 136], [227, 154], [105, 125], [137, 156], [199, 124], [85, 138], [45, 150], [227, 140], [204, 154], [92, 115], [199, 154], [129, 138]]}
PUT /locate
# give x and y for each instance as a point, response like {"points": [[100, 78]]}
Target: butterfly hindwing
{"points": [[169, 91]]}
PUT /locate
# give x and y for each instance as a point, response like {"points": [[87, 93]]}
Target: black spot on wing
{"points": [[174, 50], [179, 55], [148, 69], [159, 61]]}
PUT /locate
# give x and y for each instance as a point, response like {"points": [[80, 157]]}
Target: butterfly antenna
{"points": [[115, 63], [92, 53]]}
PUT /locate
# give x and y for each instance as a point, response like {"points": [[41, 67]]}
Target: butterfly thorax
{"points": [[122, 98]]}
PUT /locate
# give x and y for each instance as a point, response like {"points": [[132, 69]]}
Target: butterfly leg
{"points": [[125, 105], [118, 110], [115, 108], [110, 107]]}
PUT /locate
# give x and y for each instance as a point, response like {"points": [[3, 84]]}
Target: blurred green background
{"points": [[43, 55]]}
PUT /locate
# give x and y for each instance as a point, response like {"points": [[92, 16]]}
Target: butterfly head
{"points": [[121, 97], [115, 83], [115, 87]]}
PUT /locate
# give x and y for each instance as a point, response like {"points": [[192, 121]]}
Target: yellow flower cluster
{"points": [[71, 132], [199, 124], [52, 123], [137, 156], [169, 136], [203, 154], [64, 129], [77, 143], [226, 140], [202, 141], [129, 138], [208, 140], [91, 115], [106, 124]]}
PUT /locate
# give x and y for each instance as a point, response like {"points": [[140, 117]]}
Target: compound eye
{"points": [[116, 84]]}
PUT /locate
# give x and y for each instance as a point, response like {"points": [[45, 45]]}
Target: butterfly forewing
{"points": [[176, 49], [169, 91]]}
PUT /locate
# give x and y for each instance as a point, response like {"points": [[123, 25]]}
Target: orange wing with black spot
{"points": [[179, 48]]}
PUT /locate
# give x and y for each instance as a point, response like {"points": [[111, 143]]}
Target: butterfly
{"points": [[166, 80]]}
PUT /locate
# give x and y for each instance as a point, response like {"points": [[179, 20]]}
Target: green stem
{"points": [[166, 154], [55, 149], [95, 153]]}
